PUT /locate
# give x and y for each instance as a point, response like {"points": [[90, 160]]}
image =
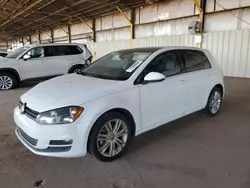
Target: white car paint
{"points": [[151, 105], [44, 66]]}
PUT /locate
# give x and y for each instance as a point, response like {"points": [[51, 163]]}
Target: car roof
{"points": [[154, 49], [55, 44]]}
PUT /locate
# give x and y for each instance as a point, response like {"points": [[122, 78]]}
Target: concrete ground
{"points": [[194, 152]]}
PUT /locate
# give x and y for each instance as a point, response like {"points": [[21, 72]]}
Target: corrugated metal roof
{"points": [[22, 17]]}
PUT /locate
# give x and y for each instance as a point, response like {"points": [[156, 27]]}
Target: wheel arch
{"points": [[75, 66], [12, 71], [126, 113], [123, 111], [220, 87]]}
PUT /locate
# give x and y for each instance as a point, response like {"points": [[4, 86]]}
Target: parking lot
{"points": [[194, 152]]}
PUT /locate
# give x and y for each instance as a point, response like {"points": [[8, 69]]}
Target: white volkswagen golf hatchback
{"points": [[121, 95]]}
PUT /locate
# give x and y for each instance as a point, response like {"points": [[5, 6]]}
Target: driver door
{"points": [[33, 67], [163, 101]]}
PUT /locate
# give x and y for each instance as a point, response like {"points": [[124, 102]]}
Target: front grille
{"points": [[29, 112], [27, 138]]}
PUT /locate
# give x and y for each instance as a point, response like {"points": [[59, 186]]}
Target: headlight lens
{"points": [[60, 116]]}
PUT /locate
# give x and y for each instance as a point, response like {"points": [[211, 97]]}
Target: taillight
{"points": [[90, 59]]}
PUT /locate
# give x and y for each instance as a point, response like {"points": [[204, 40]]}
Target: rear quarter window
{"points": [[74, 50], [195, 60], [51, 51]]}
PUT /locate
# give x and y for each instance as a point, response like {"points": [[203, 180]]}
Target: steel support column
{"points": [[203, 6], [132, 16], [202, 9], [39, 37], [130, 23], [52, 35], [69, 33], [94, 30], [30, 39]]}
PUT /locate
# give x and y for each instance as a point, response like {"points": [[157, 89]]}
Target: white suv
{"points": [[121, 95], [39, 62]]}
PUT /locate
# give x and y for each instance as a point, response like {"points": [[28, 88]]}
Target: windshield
{"points": [[17, 52], [117, 65]]}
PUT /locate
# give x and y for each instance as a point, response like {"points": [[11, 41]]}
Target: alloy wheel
{"points": [[112, 138], [78, 70], [215, 102], [5, 82]]}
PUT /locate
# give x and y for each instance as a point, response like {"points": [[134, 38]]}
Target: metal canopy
{"points": [[24, 17]]}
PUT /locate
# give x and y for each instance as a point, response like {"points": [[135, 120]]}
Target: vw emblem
{"points": [[22, 108]]}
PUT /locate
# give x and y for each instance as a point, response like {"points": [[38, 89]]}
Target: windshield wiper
{"points": [[97, 76]]}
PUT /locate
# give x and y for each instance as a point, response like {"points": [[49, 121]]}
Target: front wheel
{"points": [[214, 102], [7, 81], [110, 136]]}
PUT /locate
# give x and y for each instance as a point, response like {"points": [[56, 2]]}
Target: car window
{"points": [[3, 54], [37, 52], [56, 51], [166, 64], [17, 52], [195, 60], [205, 61], [74, 50], [117, 65]]}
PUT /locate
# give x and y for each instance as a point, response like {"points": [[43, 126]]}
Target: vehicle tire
{"points": [[7, 81], [77, 69], [214, 102], [110, 136]]}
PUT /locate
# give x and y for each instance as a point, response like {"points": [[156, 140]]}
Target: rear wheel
{"points": [[77, 69], [110, 136], [214, 102], [7, 81]]}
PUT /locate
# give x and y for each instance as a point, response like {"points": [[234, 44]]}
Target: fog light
{"points": [[61, 142]]}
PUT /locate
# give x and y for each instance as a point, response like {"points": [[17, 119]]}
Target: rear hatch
{"points": [[86, 52]]}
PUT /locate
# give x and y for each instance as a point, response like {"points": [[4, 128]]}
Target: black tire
{"points": [[208, 110], [14, 81], [76, 68], [93, 144]]}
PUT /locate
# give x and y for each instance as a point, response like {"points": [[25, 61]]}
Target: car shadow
{"points": [[166, 130], [29, 84]]}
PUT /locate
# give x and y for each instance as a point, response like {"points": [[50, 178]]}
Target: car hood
{"points": [[4, 60], [71, 89]]}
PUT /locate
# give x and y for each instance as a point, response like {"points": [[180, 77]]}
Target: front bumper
{"points": [[68, 140]]}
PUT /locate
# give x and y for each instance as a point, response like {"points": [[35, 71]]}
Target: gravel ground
{"points": [[193, 152]]}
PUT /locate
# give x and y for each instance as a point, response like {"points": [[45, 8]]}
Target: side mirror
{"points": [[26, 57], [154, 77]]}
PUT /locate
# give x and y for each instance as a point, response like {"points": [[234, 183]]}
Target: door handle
{"points": [[182, 81]]}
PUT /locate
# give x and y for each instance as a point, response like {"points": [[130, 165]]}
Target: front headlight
{"points": [[60, 116]]}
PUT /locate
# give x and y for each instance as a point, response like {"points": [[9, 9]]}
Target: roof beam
{"points": [[4, 3], [77, 14], [21, 12], [43, 6], [60, 10], [82, 20]]}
